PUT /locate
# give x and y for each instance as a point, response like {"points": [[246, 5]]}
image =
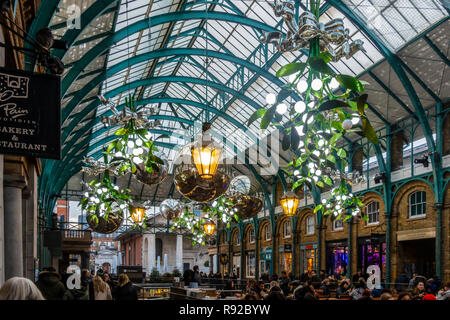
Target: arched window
{"points": [[251, 236], [338, 224], [417, 204], [310, 225], [287, 229], [237, 240], [267, 233], [373, 212]]}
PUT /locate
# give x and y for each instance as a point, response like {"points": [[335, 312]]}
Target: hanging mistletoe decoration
{"points": [[135, 148], [104, 198], [319, 118]]}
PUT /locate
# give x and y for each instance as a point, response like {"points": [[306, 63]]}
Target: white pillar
{"points": [[151, 252], [13, 233], [158, 266], [179, 253], [165, 263], [215, 263]]}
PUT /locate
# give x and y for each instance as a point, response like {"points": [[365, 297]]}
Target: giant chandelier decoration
{"points": [[322, 116]]}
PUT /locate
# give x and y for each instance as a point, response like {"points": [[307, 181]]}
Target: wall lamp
{"points": [[423, 160], [380, 177]]}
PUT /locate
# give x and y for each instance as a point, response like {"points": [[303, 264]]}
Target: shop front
{"points": [[265, 260], [372, 251], [308, 254], [337, 257], [285, 262]]}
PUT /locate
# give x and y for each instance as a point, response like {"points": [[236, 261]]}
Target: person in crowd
{"points": [[322, 275], [274, 277], [292, 286], [305, 292], [101, 289], [188, 276], [275, 294], [444, 293], [196, 278], [412, 282], [387, 296], [125, 291], [325, 287], [366, 295], [404, 296], [265, 277], [77, 294], [50, 285], [419, 291], [357, 275], [359, 289], [402, 281], [108, 280], [304, 276], [284, 283], [18, 288], [433, 284], [377, 291], [343, 289], [259, 289], [273, 284], [429, 296], [251, 296], [229, 285], [315, 280], [86, 281], [251, 286]]}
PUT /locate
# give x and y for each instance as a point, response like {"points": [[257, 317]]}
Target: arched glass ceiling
{"points": [[233, 89]]}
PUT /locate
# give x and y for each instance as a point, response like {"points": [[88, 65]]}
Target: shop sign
{"points": [[266, 254], [288, 247], [30, 114]]}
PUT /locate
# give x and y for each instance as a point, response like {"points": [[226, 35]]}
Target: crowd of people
{"points": [[53, 286], [308, 286], [313, 286]]}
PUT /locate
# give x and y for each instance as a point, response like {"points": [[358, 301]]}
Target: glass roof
{"points": [[221, 65]]}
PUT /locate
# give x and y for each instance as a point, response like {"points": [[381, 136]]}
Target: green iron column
{"points": [[439, 197], [294, 221], [242, 262], [256, 228], [273, 226]]}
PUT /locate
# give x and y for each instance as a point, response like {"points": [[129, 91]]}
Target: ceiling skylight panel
{"points": [[262, 11]]}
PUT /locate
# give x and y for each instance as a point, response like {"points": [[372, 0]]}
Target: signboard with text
{"points": [[30, 114]]}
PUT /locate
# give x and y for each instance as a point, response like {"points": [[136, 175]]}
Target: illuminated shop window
{"points": [[373, 212], [287, 229], [310, 225], [338, 224], [417, 204]]}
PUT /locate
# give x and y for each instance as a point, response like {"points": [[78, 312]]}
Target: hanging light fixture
{"points": [[289, 201], [206, 153], [209, 227], [137, 213]]}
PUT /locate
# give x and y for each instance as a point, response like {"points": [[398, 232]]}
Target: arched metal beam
{"points": [[147, 82], [147, 24], [163, 53], [89, 15]]}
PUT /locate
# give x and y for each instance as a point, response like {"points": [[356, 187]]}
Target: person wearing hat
{"points": [[429, 296]]}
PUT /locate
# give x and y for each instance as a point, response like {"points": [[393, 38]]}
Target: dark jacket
{"points": [[76, 294], [284, 285], [50, 285], [125, 293]]}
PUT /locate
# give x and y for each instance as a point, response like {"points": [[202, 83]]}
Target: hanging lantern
{"points": [[137, 213], [289, 201], [206, 153], [209, 227]]}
